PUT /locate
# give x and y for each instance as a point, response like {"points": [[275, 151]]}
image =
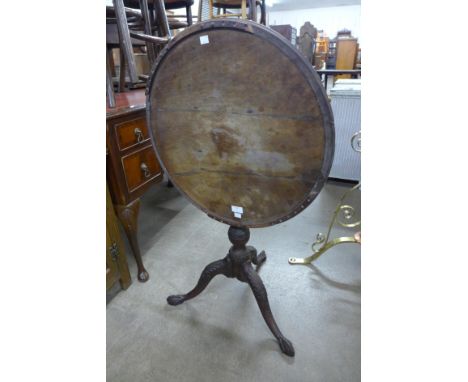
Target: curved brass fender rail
{"points": [[323, 241], [322, 250]]}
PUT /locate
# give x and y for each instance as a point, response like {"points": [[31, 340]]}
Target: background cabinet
{"points": [[286, 31], [346, 55]]}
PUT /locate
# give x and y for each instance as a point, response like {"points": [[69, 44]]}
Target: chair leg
{"points": [[161, 18], [123, 70], [109, 82], [263, 13], [189, 14], [244, 9], [124, 39], [210, 8], [111, 61], [148, 30], [252, 4], [151, 14]]}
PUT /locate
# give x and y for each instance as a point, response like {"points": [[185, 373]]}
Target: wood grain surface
{"points": [[241, 120]]}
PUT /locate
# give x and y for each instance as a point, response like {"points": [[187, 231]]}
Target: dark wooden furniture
{"points": [[307, 36], [132, 166], [116, 261], [287, 31], [248, 139]]}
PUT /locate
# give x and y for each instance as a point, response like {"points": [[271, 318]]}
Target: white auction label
{"points": [[237, 215], [204, 40], [237, 209]]}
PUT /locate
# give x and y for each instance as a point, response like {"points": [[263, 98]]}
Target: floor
{"points": [[220, 336]]}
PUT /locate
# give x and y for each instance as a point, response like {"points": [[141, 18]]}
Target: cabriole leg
{"points": [[210, 271], [260, 293], [128, 216]]}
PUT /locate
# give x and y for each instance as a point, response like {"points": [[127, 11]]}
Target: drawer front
{"points": [[140, 168], [131, 133]]}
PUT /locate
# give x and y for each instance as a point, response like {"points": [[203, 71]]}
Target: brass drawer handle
{"points": [[138, 134], [145, 169]]}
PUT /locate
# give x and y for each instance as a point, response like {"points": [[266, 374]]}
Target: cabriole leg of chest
{"points": [[128, 216]]}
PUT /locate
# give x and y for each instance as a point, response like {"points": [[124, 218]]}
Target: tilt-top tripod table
{"points": [[243, 128]]}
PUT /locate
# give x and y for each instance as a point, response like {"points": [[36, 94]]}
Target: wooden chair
{"points": [[177, 4], [238, 4], [169, 5], [134, 27]]}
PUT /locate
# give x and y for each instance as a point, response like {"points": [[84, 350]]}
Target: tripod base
{"points": [[238, 264]]}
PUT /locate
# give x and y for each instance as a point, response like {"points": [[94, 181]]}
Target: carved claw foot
{"points": [[261, 257], [176, 299], [258, 259], [286, 347], [143, 276]]}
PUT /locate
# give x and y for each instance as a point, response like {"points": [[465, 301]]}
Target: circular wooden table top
{"points": [[240, 122]]}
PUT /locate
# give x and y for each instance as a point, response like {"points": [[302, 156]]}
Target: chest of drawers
{"points": [[132, 165]]}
